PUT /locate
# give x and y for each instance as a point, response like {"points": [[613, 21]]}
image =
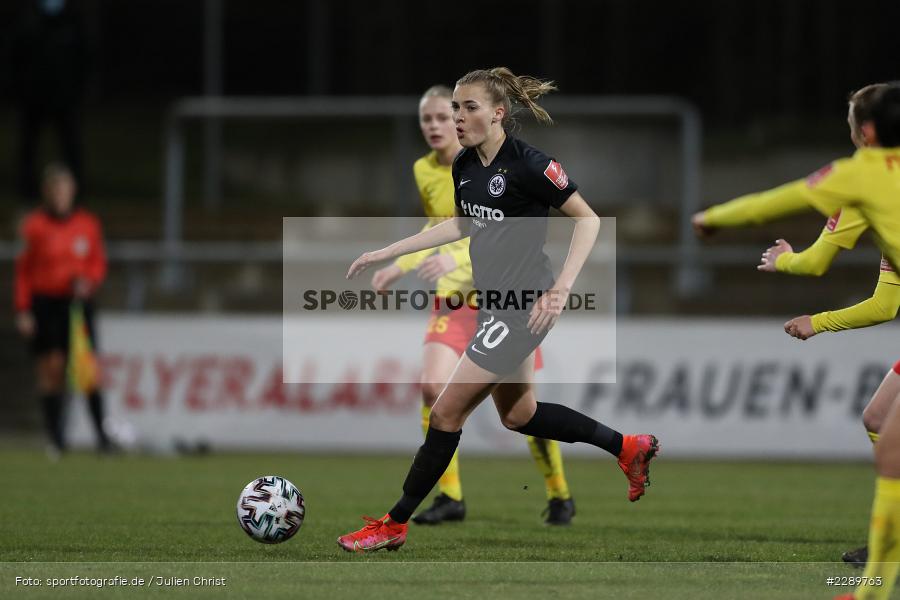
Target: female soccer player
{"points": [[841, 232], [504, 189], [63, 260], [449, 330], [869, 182]]}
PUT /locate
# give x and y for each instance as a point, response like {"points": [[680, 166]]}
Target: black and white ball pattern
{"points": [[271, 509]]}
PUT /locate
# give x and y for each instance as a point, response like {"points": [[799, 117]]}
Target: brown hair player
{"points": [[841, 232], [868, 182], [63, 260], [504, 189], [451, 326]]}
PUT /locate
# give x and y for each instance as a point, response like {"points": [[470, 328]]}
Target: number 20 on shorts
{"points": [[494, 334]]}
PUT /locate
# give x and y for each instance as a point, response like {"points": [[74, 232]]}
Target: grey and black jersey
{"points": [[508, 204]]}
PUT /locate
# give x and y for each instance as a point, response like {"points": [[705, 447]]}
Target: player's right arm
{"points": [[827, 191], [410, 262], [22, 282], [755, 209], [814, 261], [384, 277], [447, 231]]}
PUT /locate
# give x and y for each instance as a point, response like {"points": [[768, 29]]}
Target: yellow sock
{"points": [[449, 482], [426, 417], [884, 541], [873, 436], [548, 458]]}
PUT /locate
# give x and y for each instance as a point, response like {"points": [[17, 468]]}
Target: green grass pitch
{"points": [[704, 529]]}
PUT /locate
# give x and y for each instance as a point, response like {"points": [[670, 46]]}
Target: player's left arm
{"points": [[587, 225], [95, 264], [880, 308], [841, 232]]}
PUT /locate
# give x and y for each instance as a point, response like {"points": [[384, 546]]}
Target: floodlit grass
{"points": [[704, 529]]}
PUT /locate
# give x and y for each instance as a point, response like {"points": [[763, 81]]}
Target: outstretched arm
{"points": [[755, 209], [412, 261], [814, 261], [881, 307], [443, 233], [827, 190], [384, 277]]}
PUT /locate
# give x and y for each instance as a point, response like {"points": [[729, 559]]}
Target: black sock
{"points": [[561, 423], [53, 419], [95, 406], [429, 464]]}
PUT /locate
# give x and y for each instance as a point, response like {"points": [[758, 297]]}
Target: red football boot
{"points": [[377, 534], [634, 460], [844, 597]]}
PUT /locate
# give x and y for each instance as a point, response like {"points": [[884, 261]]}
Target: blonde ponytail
{"points": [[503, 86], [525, 90]]}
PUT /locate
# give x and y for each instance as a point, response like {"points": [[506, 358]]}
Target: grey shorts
{"points": [[502, 341]]}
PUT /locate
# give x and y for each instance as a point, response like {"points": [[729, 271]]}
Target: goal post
{"points": [[594, 136]]}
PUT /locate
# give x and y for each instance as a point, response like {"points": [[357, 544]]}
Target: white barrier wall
{"points": [[705, 387]]}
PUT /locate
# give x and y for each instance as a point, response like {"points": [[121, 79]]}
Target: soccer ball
{"points": [[271, 509]]}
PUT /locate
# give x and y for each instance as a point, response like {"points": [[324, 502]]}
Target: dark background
{"points": [[739, 61], [770, 79]]}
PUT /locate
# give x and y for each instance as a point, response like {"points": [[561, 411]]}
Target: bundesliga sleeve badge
{"points": [[555, 173], [814, 179]]}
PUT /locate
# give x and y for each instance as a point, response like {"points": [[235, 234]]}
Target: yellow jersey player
{"points": [[841, 232], [450, 328], [870, 182]]}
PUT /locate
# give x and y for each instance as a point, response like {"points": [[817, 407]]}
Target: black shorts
{"points": [[502, 341], [51, 320]]}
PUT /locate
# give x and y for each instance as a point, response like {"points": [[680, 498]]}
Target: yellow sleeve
{"points": [[813, 261], [408, 262], [459, 250], [756, 209], [881, 307], [833, 186], [826, 190], [412, 261], [844, 227]]}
